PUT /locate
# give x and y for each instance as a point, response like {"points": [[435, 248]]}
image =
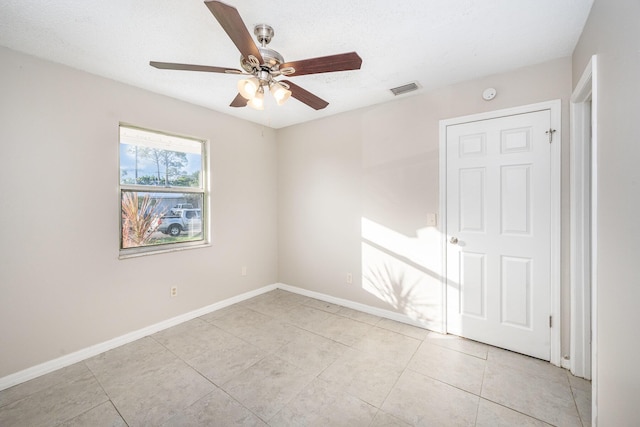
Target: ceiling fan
{"points": [[264, 65]]}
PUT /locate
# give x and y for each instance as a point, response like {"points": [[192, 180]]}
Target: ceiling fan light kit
{"points": [[264, 65]]}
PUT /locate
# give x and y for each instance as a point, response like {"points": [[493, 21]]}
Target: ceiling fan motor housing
{"points": [[272, 60]]}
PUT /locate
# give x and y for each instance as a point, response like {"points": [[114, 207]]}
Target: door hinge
{"points": [[550, 132], [550, 321]]}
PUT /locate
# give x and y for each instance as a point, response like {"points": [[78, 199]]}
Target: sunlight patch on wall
{"points": [[402, 271]]}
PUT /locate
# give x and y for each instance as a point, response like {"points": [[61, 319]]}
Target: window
{"points": [[163, 192]]}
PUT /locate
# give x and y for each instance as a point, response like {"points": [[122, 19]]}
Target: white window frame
{"points": [[202, 190]]}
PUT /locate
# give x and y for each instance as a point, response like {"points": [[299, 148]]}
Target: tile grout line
{"points": [[219, 387], [268, 354], [317, 376], [515, 410], [109, 398], [398, 379], [506, 365], [573, 397], [484, 371]]}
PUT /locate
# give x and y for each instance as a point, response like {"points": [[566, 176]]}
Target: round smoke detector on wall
{"points": [[489, 94]]}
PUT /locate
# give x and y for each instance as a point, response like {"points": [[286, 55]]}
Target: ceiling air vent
{"points": [[409, 87]]}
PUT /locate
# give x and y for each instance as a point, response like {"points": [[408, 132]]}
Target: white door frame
{"points": [[555, 217], [583, 353]]}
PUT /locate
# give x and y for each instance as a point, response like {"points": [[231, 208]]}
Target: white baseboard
{"points": [[94, 350], [380, 312]]}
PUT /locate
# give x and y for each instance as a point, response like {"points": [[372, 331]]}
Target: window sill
{"points": [[139, 252]]}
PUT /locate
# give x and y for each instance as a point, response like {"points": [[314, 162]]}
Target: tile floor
{"points": [[282, 359]]}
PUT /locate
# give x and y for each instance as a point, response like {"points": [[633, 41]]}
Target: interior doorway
{"points": [[583, 224]]}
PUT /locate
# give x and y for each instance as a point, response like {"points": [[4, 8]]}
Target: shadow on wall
{"points": [[399, 270], [401, 256]]}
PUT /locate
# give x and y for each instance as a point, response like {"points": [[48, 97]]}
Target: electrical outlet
{"points": [[174, 291], [243, 271], [349, 278]]}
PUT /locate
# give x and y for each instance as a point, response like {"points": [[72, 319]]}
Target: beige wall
{"points": [[612, 32], [304, 205], [355, 190], [62, 287]]}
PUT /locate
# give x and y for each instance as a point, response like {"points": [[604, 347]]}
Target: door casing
{"points": [[584, 230], [554, 107]]}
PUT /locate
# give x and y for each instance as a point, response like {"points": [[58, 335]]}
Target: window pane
{"points": [[150, 158], [160, 218]]}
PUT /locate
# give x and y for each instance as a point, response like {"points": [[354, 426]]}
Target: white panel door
{"points": [[499, 232]]}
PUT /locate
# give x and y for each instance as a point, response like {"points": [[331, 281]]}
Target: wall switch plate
{"points": [[432, 219]]}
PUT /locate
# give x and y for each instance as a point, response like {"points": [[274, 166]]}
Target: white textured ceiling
{"points": [[433, 42]]}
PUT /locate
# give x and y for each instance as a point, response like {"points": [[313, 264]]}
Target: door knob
{"points": [[454, 240]]}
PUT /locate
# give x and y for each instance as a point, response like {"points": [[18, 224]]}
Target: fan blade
{"points": [[305, 96], [238, 101], [190, 67], [325, 64], [232, 24]]}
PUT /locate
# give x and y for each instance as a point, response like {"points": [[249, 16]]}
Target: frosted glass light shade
{"points": [[257, 102], [248, 87], [280, 93]]}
